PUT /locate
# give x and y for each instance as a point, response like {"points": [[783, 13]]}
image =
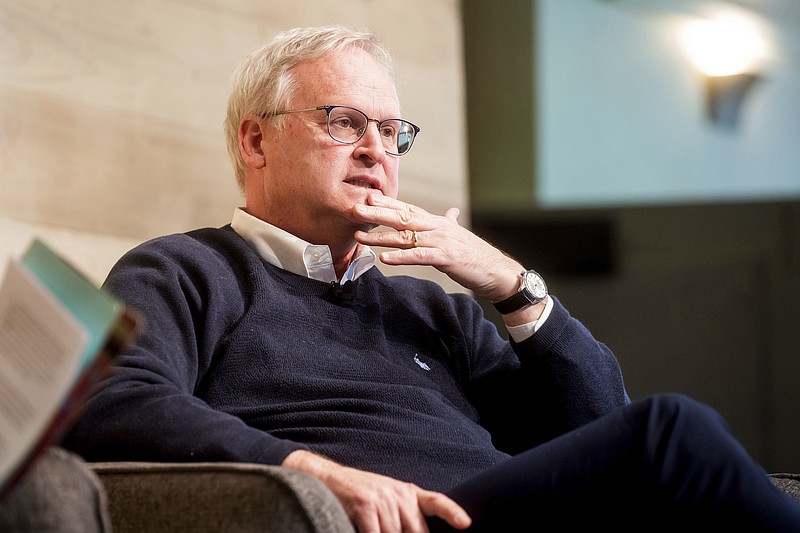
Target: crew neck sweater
{"points": [[240, 360]]}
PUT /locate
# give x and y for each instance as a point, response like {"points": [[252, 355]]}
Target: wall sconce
{"points": [[725, 95], [726, 52]]}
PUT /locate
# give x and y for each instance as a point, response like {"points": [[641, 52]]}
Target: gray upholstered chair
{"points": [[59, 493], [206, 497]]}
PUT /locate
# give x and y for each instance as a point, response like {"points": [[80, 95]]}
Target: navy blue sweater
{"points": [[242, 361]]}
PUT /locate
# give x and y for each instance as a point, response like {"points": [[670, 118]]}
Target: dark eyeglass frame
{"points": [[329, 108]]}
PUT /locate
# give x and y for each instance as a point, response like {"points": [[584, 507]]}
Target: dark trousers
{"points": [[666, 463]]}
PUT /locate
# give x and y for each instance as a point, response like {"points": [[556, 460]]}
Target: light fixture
{"points": [[726, 51]]}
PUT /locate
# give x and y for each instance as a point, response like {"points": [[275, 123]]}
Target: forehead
{"points": [[349, 77]]}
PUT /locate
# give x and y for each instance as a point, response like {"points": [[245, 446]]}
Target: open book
{"points": [[59, 334]]}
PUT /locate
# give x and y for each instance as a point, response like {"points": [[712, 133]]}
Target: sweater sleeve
{"points": [[147, 409], [552, 382], [583, 371]]}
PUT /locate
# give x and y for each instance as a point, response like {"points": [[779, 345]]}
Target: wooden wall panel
{"points": [[109, 171]]}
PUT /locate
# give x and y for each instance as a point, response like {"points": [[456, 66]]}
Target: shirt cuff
{"points": [[523, 331]]}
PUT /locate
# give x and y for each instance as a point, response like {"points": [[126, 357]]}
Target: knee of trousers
{"points": [[678, 415]]}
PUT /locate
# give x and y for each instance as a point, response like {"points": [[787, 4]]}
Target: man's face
{"points": [[311, 182]]}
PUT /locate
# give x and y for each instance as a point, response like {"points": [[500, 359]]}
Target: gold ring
{"points": [[414, 238]]}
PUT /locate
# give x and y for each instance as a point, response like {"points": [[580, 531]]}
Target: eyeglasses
{"points": [[347, 125]]}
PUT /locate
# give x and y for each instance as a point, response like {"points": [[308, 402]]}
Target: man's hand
{"points": [[379, 504], [422, 238]]}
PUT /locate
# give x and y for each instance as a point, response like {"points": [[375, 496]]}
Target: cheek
{"points": [[392, 178]]}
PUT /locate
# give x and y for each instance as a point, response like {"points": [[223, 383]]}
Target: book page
{"points": [[95, 309], [40, 349]]}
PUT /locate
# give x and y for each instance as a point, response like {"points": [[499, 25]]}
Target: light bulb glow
{"points": [[723, 47]]}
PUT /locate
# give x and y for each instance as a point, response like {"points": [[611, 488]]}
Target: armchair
{"points": [[206, 497], [64, 494]]}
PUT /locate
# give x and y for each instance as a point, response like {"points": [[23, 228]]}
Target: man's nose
{"points": [[371, 141]]}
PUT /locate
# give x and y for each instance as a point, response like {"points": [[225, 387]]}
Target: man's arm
{"points": [[564, 367], [147, 408]]}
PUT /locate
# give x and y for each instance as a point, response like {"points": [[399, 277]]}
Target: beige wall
{"points": [[111, 112]]}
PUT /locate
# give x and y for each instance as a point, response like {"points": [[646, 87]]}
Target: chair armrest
{"points": [[58, 493], [200, 497], [788, 483]]}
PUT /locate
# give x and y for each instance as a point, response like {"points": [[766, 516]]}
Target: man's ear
{"points": [[250, 137]]}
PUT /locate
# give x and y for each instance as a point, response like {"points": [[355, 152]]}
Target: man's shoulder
{"points": [[204, 251], [202, 241]]}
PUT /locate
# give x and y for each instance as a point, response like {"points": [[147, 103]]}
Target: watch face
{"points": [[535, 285]]}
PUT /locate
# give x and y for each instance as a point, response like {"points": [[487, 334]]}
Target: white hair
{"points": [[263, 83]]}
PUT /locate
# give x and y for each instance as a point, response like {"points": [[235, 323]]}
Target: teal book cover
{"points": [[93, 307]]}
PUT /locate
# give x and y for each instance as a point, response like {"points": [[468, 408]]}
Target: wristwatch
{"points": [[532, 290]]}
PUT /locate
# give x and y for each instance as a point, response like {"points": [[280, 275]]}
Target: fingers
{"points": [[437, 504], [406, 513], [417, 237], [376, 503], [414, 227], [386, 211], [403, 239]]}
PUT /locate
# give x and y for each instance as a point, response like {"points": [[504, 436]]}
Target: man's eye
{"points": [[343, 122], [387, 131]]}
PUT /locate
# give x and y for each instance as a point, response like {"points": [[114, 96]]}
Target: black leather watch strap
{"points": [[512, 303], [532, 290]]}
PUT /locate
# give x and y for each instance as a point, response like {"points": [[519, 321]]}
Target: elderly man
{"points": [[275, 340]]}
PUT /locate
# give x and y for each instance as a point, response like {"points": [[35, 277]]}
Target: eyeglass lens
{"points": [[347, 125]]}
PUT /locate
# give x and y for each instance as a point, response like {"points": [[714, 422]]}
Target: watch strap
{"points": [[526, 295], [513, 303]]}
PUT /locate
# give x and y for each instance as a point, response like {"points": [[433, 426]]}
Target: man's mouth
{"points": [[361, 183]]}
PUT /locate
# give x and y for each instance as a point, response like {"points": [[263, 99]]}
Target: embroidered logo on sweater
{"points": [[422, 364]]}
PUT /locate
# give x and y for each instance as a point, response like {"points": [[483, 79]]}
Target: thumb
{"points": [[452, 213]]}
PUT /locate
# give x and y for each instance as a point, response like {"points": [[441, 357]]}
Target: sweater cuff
{"points": [[523, 331]]}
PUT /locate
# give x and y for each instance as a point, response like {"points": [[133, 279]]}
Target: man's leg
{"points": [[657, 463]]}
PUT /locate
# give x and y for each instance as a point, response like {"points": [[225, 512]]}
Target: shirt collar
{"points": [[284, 250]]}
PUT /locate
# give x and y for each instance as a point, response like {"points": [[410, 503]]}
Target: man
{"points": [[275, 340]]}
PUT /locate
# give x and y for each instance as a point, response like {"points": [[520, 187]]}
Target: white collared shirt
{"points": [[284, 250]]}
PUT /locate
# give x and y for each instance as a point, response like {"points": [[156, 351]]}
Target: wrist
{"points": [[511, 285], [531, 290], [528, 314], [309, 462]]}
